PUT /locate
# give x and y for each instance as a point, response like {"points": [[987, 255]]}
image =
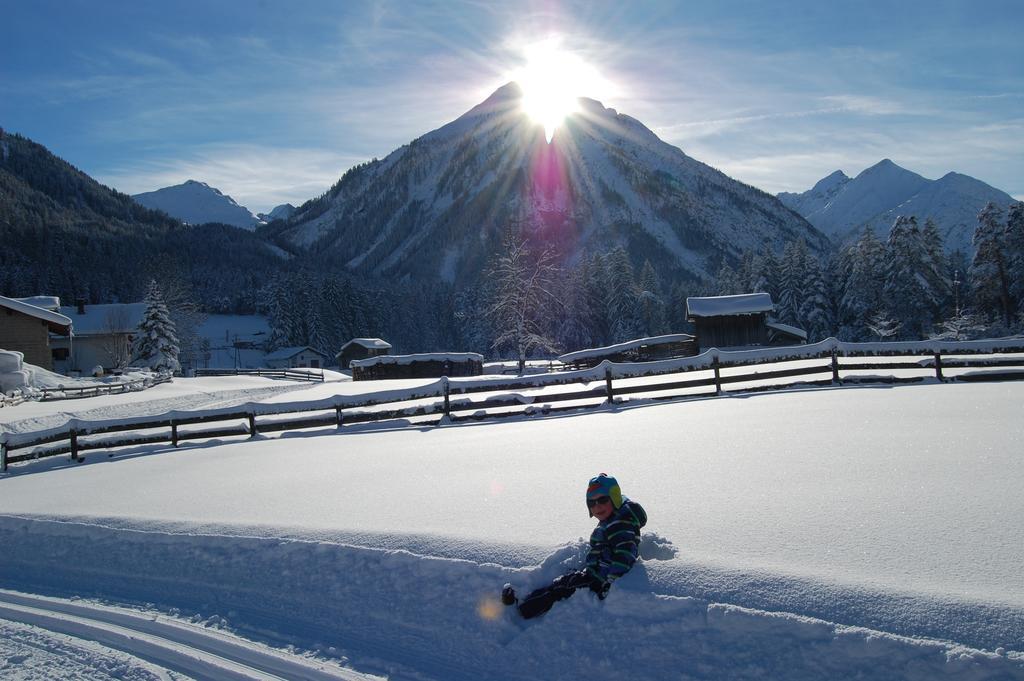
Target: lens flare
{"points": [[552, 81], [489, 608]]}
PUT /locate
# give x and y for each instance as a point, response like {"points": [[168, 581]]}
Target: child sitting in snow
{"points": [[614, 546]]}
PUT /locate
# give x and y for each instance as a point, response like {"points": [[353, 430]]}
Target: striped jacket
{"points": [[615, 543]]}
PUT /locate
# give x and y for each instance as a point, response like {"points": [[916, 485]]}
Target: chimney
{"points": [[80, 302]]}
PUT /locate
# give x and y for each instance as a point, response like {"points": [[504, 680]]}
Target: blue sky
{"points": [[271, 101]]}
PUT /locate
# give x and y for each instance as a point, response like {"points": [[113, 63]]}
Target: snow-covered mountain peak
{"points": [[830, 182], [884, 191], [197, 203], [440, 205]]}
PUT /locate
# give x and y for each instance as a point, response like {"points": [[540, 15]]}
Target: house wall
{"points": [[356, 351], [91, 351], [27, 335], [727, 332], [303, 359]]}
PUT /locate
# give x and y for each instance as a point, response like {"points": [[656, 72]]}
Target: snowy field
{"points": [[856, 533]]}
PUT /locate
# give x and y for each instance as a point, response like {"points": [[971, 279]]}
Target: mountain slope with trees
{"points": [[438, 207]]}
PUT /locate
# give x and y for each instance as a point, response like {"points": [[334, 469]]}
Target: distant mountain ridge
{"points": [[64, 234], [841, 207], [198, 203], [438, 206]]}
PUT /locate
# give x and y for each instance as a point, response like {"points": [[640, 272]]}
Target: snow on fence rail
{"points": [[74, 392], [339, 410], [266, 373]]}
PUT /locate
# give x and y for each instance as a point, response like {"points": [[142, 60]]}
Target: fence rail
{"points": [[451, 399], [75, 392], [266, 373]]}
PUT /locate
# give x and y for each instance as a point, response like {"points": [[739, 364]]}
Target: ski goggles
{"points": [[598, 501]]}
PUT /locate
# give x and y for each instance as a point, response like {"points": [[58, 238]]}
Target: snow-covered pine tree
{"points": [[727, 282], [792, 283], [962, 325], [766, 274], [1015, 251], [816, 307], [279, 313], [904, 289], [622, 293], [938, 289], [990, 276], [883, 325], [576, 325], [156, 345], [652, 307], [860, 285]]}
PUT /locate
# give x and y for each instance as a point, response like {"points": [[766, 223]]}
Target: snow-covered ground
{"points": [[855, 532]]}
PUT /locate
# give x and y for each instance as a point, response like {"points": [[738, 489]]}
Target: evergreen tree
{"points": [[816, 308], [883, 325], [652, 307], [727, 282], [990, 269], [904, 281], [156, 345], [1015, 251], [963, 325], [576, 325], [622, 293], [766, 274], [793, 283], [935, 271], [859, 285]]}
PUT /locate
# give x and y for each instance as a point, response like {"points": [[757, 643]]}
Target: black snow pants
{"points": [[541, 600]]}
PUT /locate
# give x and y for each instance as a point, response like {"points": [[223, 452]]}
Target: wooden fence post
{"points": [[447, 397], [252, 424], [718, 376], [938, 366], [174, 434], [338, 416], [835, 366], [3, 457], [74, 444], [608, 384]]}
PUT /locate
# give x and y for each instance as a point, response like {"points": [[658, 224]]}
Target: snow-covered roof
{"points": [[98, 320], [58, 323], [287, 353], [420, 357], [721, 306], [50, 303], [787, 329], [369, 343], [570, 357]]}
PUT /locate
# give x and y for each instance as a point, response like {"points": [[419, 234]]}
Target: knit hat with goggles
{"points": [[604, 485]]}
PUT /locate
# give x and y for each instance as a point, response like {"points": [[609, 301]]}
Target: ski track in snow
{"points": [[152, 647], [29, 653]]}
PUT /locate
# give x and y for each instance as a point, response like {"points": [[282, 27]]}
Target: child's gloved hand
{"points": [[599, 587]]}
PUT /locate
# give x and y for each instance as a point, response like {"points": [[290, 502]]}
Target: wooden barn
{"points": [[638, 350], [26, 328], [424, 365], [738, 321], [361, 348]]}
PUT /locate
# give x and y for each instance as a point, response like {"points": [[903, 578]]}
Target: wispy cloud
{"points": [[258, 178]]}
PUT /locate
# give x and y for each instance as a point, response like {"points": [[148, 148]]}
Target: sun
{"points": [[552, 80]]}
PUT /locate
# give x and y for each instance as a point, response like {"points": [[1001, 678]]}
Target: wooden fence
{"points": [[292, 374], [66, 393], [829, 362]]}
